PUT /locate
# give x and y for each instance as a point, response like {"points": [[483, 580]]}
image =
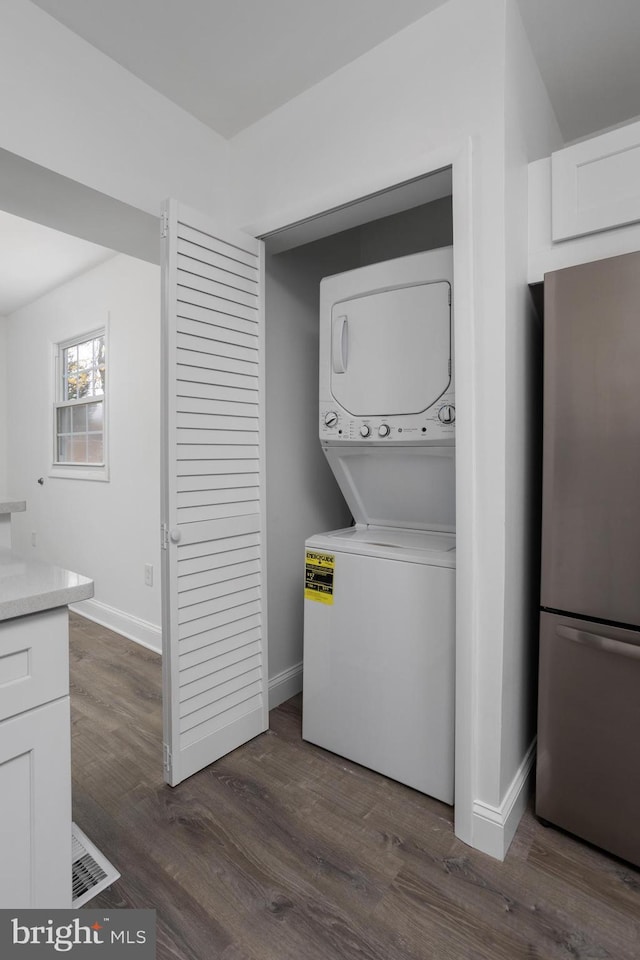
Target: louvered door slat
{"points": [[217, 272], [191, 570], [199, 556], [206, 708], [216, 361], [225, 572], [224, 651], [231, 614], [195, 468], [193, 451], [189, 484], [231, 309], [217, 660], [210, 257], [202, 599], [212, 329], [198, 394], [228, 292], [195, 693], [209, 498], [234, 252], [191, 313], [214, 405], [230, 709], [225, 599], [235, 420], [196, 648], [214, 641], [203, 378], [219, 344]]}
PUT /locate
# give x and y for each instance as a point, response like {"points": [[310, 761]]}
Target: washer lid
{"points": [[391, 349], [412, 546], [412, 487]]}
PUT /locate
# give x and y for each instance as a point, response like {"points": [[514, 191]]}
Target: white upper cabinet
{"points": [[596, 183]]}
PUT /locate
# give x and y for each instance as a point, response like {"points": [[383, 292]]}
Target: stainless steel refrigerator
{"points": [[588, 767]]}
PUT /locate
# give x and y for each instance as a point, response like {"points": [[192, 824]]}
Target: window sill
{"points": [[68, 471]]}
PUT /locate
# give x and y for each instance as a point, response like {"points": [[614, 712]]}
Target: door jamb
{"points": [[458, 156]]}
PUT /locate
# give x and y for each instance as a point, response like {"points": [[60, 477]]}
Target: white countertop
{"points": [[13, 506], [29, 586]]}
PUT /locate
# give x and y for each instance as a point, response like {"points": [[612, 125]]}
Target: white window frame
{"points": [[79, 471]]}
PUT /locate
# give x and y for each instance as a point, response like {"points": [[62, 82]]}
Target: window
{"points": [[79, 410]]}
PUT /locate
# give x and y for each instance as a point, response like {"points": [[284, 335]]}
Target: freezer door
{"points": [[588, 772], [591, 462]]}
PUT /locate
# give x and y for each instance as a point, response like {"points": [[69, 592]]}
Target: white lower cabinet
{"points": [[35, 768]]}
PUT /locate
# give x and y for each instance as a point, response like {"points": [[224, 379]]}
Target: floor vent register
{"points": [[92, 872]]}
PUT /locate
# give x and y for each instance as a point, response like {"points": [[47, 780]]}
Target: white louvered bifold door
{"points": [[214, 640]]}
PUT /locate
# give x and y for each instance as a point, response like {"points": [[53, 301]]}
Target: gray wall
{"points": [[302, 495]]}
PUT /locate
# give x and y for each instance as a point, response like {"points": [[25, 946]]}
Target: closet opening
{"points": [[303, 496]]}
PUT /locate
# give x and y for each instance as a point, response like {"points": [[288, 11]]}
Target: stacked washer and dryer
{"points": [[379, 617]]}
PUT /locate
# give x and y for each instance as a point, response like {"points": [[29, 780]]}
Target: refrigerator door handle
{"points": [[605, 644]]}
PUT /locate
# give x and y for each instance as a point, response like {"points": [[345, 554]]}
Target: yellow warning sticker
{"points": [[318, 576]]}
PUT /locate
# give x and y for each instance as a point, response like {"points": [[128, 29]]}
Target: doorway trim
{"points": [[457, 155]]}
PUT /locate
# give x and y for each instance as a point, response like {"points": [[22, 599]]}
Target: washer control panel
{"points": [[436, 424]]}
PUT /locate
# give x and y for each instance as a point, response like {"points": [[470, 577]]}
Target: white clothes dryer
{"points": [[386, 353]]}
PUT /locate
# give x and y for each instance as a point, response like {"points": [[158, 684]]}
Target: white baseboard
{"points": [[285, 685], [141, 631], [494, 827]]}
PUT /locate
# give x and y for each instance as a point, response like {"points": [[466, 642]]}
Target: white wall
{"points": [[4, 394], [370, 123], [544, 254], [75, 111], [531, 130], [105, 530], [302, 495]]}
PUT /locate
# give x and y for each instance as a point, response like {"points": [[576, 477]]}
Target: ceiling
{"points": [[588, 52], [230, 62], [36, 259]]}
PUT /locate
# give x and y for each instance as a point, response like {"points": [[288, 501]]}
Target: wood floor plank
{"points": [[184, 931], [283, 851]]}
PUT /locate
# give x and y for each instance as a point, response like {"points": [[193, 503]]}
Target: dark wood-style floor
{"points": [[282, 851]]}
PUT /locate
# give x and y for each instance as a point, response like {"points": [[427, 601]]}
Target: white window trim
{"points": [[79, 471]]}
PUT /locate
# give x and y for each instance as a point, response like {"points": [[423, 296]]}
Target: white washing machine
{"points": [[379, 620], [379, 652]]}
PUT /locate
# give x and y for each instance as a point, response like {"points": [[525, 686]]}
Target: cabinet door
{"points": [[35, 792]]}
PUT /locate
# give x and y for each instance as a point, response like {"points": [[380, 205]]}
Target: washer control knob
{"points": [[330, 418], [447, 413], [384, 430], [365, 430]]}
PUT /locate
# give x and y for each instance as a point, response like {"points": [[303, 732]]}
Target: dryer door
{"points": [[391, 350]]}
